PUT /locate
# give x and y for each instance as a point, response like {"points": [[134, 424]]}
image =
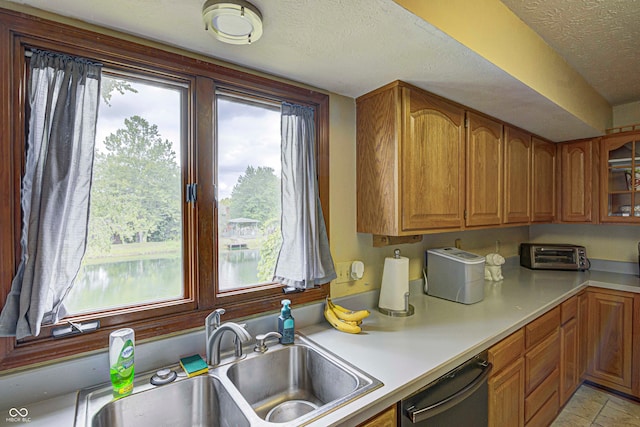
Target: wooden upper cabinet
{"points": [[484, 171], [543, 193], [432, 163], [620, 178], [518, 176], [410, 162], [426, 165], [578, 184], [377, 148]]}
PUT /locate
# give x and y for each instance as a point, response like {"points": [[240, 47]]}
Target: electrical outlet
{"points": [[343, 270]]}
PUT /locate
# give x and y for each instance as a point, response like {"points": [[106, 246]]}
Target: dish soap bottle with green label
{"points": [[121, 346], [286, 324]]}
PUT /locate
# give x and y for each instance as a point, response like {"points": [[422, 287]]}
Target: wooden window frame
{"points": [[19, 31]]}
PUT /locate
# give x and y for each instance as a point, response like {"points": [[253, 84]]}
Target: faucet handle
{"points": [[213, 319], [261, 347]]}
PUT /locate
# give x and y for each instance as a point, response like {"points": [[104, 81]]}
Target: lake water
{"points": [[118, 284]]}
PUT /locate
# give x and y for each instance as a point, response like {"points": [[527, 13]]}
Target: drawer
{"points": [[541, 361], [548, 389], [545, 416], [569, 310], [543, 326], [506, 351]]}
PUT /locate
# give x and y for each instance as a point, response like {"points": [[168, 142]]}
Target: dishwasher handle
{"points": [[417, 415]]}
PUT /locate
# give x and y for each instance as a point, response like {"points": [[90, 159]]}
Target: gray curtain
{"points": [[304, 260], [63, 95]]}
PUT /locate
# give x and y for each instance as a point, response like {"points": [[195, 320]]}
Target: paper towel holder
{"points": [[395, 291]]}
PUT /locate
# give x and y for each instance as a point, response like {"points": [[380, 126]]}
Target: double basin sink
{"points": [[294, 384]]}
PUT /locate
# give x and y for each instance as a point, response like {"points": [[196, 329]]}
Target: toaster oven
{"points": [[553, 256]]}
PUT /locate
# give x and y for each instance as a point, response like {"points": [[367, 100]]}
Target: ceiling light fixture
{"points": [[232, 21]]}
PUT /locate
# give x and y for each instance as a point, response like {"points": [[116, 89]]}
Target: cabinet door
{"points": [[577, 184], [377, 132], [620, 182], [544, 181], [386, 418], [484, 171], [611, 339], [583, 333], [517, 174], [569, 363], [432, 161], [506, 396]]}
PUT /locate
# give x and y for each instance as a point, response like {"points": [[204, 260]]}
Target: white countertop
{"points": [[408, 353]]}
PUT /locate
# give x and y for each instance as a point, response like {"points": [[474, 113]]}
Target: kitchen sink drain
{"points": [[290, 410]]}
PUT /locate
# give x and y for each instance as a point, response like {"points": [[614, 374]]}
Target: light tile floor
{"points": [[593, 407]]}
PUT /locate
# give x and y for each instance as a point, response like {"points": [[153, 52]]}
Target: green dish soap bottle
{"points": [[286, 324], [121, 349]]}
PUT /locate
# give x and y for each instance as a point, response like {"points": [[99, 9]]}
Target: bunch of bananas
{"points": [[343, 319]]}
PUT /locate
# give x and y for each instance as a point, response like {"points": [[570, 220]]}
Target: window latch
{"points": [[73, 328], [191, 192]]}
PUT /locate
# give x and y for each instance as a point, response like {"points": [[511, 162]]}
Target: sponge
{"points": [[194, 365]]}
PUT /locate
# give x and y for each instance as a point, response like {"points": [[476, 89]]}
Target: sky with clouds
{"points": [[248, 135]]}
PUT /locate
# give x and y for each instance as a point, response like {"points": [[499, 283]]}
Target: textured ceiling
{"points": [[348, 47], [599, 38]]}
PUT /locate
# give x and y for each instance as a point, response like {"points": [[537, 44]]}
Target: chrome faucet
{"points": [[211, 323], [213, 341]]}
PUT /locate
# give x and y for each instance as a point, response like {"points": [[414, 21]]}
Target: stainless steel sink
{"points": [[295, 384], [198, 401]]}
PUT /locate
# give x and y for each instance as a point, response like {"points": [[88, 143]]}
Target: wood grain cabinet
{"points": [[506, 384], [484, 171], [410, 162], [570, 346], [583, 333], [579, 181], [518, 176], [612, 340], [386, 418], [542, 367], [544, 182], [428, 165], [620, 178]]}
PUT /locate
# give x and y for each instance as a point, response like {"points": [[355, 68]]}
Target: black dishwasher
{"points": [[458, 398]]}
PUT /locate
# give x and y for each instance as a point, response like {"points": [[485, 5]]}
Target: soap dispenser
{"points": [[286, 324]]}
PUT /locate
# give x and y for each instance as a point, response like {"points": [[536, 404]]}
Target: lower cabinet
{"points": [[612, 341], [542, 367], [506, 384], [386, 418], [571, 343], [524, 388], [589, 336], [583, 333]]}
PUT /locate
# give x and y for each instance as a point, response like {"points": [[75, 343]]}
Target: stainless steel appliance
{"points": [[553, 256], [455, 275], [458, 398]]}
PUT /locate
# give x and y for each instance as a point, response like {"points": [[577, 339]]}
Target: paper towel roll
{"points": [[395, 284]]}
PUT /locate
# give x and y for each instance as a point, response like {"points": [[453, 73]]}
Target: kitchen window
{"points": [[248, 187], [180, 231], [135, 246]]}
